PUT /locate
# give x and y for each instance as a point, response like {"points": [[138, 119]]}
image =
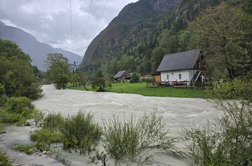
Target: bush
{"points": [[99, 83], [134, 78], [227, 141], [53, 121], [4, 160], [50, 133], [45, 137], [132, 140], [17, 110], [80, 132]]}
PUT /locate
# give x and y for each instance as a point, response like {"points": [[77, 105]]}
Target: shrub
{"points": [[17, 110], [50, 133], [227, 141], [4, 159], [99, 84], [132, 140], [53, 121], [45, 137], [134, 78], [80, 132]]}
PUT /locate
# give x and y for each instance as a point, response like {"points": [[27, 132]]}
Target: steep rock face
{"points": [[37, 51], [127, 28]]}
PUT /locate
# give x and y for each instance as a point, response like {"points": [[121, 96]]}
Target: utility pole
{"points": [[74, 66]]}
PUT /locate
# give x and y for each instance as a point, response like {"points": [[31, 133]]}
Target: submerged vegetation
{"points": [[227, 140], [132, 139]]}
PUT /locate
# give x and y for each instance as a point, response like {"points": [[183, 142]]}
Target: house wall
{"points": [[158, 79], [186, 75]]}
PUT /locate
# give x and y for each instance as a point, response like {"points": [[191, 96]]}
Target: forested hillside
{"points": [[143, 32]]}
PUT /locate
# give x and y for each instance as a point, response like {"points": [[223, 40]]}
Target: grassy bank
{"points": [[140, 88]]}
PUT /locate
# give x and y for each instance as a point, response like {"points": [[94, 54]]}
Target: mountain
{"points": [[142, 33], [133, 26], [37, 51]]}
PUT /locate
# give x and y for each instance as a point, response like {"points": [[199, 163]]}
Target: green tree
{"points": [[247, 6], [147, 66], [158, 55], [99, 81], [183, 40], [75, 79], [134, 78], [223, 34], [61, 81], [58, 68], [16, 73]]}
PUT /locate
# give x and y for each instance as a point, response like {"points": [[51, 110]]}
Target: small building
{"points": [[122, 75], [182, 68]]}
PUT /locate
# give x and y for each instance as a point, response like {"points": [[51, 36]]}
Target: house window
{"points": [[167, 77], [180, 76]]}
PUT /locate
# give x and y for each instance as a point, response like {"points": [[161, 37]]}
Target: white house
{"points": [[182, 68]]}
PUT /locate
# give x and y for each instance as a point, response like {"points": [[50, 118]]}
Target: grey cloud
{"points": [[49, 21]]}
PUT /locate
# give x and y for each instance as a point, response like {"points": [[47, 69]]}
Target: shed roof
{"points": [[119, 74], [179, 61]]}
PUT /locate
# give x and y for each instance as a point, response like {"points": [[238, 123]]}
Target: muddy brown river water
{"points": [[103, 105]]}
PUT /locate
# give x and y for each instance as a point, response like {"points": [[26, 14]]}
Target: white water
{"points": [[176, 112]]}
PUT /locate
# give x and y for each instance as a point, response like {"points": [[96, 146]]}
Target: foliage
{"points": [[134, 78], [61, 81], [53, 121], [80, 132], [99, 73], [3, 97], [28, 149], [238, 88], [99, 82], [131, 140], [227, 141], [4, 160], [247, 6], [222, 33], [16, 73], [58, 68], [75, 79], [17, 110], [45, 137], [50, 132]]}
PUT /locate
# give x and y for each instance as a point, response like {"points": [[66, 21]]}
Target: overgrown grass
{"points": [[140, 88], [28, 149]]}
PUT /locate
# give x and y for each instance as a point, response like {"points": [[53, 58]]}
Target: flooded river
{"points": [[103, 105]]}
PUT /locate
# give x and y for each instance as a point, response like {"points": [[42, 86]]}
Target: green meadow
{"points": [[141, 88]]}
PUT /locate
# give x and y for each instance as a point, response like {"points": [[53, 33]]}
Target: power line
{"points": [[100, 18], [87, 20], [71, 23]]}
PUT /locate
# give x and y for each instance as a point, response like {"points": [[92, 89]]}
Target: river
{"points": [[177, 112]]}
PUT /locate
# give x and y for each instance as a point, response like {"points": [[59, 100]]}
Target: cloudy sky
{"points": [[49, 21]]}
